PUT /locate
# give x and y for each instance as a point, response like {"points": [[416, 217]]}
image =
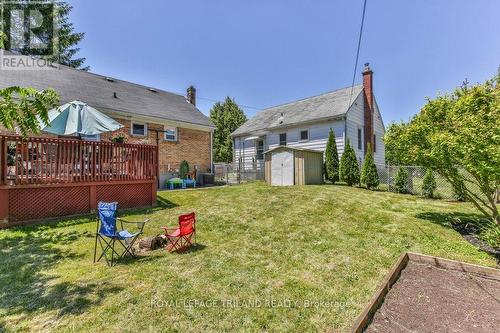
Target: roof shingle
{"points": [[328, 105], [97, 91]]}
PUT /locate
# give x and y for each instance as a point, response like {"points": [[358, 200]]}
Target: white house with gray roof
{"points": [[306, 124]]}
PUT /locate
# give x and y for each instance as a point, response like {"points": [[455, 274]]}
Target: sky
{"points": [[268, 52]]}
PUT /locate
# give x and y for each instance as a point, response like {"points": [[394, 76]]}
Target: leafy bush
{"points": [[119, 138], [183, 169], [349, 167], [401, 181], [490, 233], [331, 159], [369, 174], [429, 184]]}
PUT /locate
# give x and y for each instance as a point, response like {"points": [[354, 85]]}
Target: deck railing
{"points": [[38, 160]]}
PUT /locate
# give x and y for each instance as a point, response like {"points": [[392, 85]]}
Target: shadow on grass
{"points": [[27, 287], [470, 226], [161, 204], [465, 223], [193, 248], [54, 223], [128, 260]]}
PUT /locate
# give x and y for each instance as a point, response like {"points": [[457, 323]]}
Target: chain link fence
{"points": [[226, 173], [414, 184]]}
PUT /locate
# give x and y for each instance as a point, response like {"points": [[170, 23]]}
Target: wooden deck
{"points": [[36, 172]]}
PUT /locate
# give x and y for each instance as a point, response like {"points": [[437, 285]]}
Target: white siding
{"points": [[379, 131], [247, 151], [355, 121], [318, 136]]}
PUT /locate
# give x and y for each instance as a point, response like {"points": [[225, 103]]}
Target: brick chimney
{"points": [[191, 95], [368, 105]]}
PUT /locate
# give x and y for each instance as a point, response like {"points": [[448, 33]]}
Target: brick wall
{"points": [[192, 146]]}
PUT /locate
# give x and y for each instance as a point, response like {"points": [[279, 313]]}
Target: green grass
{"points": [[327, 245]]}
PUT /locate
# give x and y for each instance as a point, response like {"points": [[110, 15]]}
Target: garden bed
{"points": [[430, 294]]}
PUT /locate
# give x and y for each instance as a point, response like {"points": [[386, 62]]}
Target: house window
{"points": [[139, 129], [260, 150], [360, 139], [92, 137], [374, 143], [283, 139], [170, 134], [304, 135]]}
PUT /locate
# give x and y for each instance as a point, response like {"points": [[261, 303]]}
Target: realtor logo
{"points": [[28, 32]]}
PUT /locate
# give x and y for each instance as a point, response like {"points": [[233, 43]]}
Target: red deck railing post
{"points": [[3, 161]]}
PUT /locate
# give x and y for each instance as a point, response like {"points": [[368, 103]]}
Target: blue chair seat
{"points": [[124, 234]]}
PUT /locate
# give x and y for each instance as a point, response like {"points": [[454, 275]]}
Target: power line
{"points": [[218, 100], [353, 76], [240, 105], [357, 52]]}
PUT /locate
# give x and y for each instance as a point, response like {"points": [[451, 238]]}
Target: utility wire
{"points": [[222, 101], [357, 52], [240, 105], [353, 76]]}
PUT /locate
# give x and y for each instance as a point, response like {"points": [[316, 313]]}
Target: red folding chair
{"points": [[179, 239]]}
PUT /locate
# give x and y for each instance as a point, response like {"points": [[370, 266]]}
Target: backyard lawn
{"points": [[305, 258]]}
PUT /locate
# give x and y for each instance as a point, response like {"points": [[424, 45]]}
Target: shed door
{"points": [[282, 168]]}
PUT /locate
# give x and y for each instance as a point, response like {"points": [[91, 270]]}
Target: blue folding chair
{"points": [[107, 234]]}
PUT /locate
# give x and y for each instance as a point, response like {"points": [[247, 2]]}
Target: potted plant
{"points": [[183, 169], [119, 138]]}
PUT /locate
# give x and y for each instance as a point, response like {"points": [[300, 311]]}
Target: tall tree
{"points": [[65, 36], [21, 108], [349, 167], [227, 117], [369, 174], [68, 39], [331, 159], [458, 135]]}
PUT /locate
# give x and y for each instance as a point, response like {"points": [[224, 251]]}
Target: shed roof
{"points": [[99, 91], [328, 105]]}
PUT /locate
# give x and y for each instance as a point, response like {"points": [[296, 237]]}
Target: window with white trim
{"points": [[304, 135], [139, 129], [282, 139], [171, 134]]}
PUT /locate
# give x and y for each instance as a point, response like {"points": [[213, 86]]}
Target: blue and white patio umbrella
{"points": [[78, 118]]}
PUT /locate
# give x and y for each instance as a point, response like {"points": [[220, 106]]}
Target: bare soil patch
{"points": [[428, 298]]}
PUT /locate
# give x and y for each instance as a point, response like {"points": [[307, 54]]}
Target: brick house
{"points": [[149, 116]]}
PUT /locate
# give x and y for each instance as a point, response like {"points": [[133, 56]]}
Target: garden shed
{"points": [[293, 166]]}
